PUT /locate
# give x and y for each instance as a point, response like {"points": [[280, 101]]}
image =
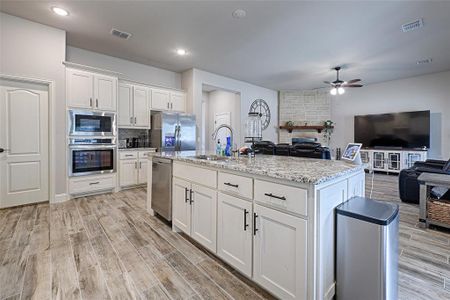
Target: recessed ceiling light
{"points": [[60, 11], [239, 13], [181, 52]]}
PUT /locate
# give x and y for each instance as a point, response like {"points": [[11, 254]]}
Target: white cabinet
{"points": [[160, 99], [90, 90], [91, 184], [204, 210], [194, 210], [181, 206], [132, 168], [134, 106], [178, 101], [128, 172], [105, 92], [142, 176], [168, 100], [280, 253], [234, 232], [79, 86], [391, 161]]}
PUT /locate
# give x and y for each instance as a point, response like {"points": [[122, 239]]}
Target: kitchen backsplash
{"points": [[143, 135]]}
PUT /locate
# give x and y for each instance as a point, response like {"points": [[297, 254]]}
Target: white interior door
{"points": [[24, 172]]}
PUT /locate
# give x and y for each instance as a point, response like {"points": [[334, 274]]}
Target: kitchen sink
{"points": [[212, 157]]}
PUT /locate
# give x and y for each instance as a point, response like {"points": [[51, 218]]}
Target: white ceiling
{"points": [[279, 45]]}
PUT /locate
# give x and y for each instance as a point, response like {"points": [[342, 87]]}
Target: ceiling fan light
{"points": [[341, 90], [333, 91]]}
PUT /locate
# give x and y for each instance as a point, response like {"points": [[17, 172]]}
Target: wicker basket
{"points": [[439, 210]]}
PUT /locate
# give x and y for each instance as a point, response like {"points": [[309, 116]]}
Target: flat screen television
{"points": [[396, 130]]}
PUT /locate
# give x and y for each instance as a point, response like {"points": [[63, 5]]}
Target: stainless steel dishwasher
{"points": [[162, 187]]}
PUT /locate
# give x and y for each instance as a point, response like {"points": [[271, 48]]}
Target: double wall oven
{"points": [[92, 142]]}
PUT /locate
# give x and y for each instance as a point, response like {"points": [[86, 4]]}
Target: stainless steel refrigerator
{"points": [[173, 131]]}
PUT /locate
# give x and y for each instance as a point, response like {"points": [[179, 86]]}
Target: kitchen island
{"points": [[270, 217]]}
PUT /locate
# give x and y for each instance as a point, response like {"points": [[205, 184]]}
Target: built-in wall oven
{"points": [[92, 156], [91, 123]]}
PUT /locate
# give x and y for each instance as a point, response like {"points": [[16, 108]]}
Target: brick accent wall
{"points": [[311, 107]]}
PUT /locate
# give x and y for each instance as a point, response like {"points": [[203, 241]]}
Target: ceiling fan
{"points": [[337, 86]]}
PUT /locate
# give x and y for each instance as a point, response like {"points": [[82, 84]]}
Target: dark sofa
{"points": [[408, 185], [303, 149]]}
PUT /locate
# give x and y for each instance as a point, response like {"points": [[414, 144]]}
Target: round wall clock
{"points": [[262, 108]]}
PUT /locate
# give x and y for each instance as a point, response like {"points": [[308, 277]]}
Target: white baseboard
{"points": [[60, 198]]}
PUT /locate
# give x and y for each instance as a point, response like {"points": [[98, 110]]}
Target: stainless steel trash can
{"points": [[367, 250]]}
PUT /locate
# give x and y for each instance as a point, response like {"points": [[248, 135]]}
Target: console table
{"points": [[427, 180], [390, 160]]}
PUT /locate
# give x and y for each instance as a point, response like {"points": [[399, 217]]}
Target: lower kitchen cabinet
{"points": [[234, 232], [204, 212], [194, 212], [181, 206], [280, 253], [128, 172], [132, 168]]}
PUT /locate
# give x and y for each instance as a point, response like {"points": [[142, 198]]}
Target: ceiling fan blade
{"points": [[352, 85], [353, 81]]}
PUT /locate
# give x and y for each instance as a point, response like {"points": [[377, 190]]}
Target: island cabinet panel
{"points": [[204, 216], [280, 253], [356, 186], [234, 232], [288, 198], [181, 207], [235, 184], [327, 199], [202, 176]]}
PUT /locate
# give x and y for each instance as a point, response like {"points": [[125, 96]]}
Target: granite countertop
{"points": [[296, 169]]}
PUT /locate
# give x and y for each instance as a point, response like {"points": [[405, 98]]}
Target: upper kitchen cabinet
{"points": [[91, 90], [160, 99], [134, 106], [168, 100], [178, 101]]}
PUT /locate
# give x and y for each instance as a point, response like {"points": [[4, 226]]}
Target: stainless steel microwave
{"points": [[90, 123]]}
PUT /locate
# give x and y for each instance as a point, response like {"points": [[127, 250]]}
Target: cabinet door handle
{"points": [[131, 120], [94, 183], [168, 105], [90, 102], [186, 198], [96, 103], [245, 219], [230, 184], [191, 194], [171, 105], [135, 164], [255, 215], [140, 165], [274, 196], [135, 120]]}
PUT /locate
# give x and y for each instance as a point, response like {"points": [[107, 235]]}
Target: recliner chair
{"points": [[409, 186], [311, 150]]}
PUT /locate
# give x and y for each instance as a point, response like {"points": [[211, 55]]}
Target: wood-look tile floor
{"points": [[108, 246]]}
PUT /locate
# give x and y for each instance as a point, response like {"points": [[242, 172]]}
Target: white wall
{"points": [[428, 92], [130, 70], [33, 50], [220, 101], [193, 80]]}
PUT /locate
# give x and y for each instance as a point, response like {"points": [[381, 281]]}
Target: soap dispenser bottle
{"points": [[218, 148]]}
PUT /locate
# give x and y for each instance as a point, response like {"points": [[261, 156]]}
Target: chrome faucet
{"points": [[214, 135]]}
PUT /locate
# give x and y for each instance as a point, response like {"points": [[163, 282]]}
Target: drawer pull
{"points": [[191, 193], [255, 215], [94, 183], [129, 155], [245, 219], [232, 185], [186, 198], [274, 196]]}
